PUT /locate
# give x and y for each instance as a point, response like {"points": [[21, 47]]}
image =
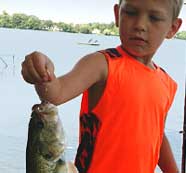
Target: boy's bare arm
{"points": [[167, 162], [38, 70]]}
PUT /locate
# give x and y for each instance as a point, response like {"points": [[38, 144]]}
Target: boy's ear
{"points": [[116, 14], [174, 28]]}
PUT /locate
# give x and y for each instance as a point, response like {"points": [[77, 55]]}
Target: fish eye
{"points": [[48, 156], [40, 124], [40, 109]]}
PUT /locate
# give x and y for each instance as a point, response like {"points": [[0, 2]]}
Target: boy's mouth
{"points": [[138, 40]]}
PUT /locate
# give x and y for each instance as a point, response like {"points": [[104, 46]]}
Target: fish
{"points": [[46, 142]]}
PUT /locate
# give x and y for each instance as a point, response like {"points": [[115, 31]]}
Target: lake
{"points": [[17, 97]]}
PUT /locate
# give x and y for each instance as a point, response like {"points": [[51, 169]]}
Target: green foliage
{"points": [[19, 20], [47, 25], [23, 21], [181, 35], [33, 22], [5, 20]]}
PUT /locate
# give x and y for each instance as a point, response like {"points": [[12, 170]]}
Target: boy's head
{"points": [[144, 24], [176, 5]]}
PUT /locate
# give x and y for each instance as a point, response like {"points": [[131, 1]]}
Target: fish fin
{"points": [[65, 167], [61, 167], [71, 168]]}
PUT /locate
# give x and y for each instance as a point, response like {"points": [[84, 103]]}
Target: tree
{"points": [[85, 28], [33, 22], [5, 20], [23, 21], [48, 25], [181, 35], [19, 20]]}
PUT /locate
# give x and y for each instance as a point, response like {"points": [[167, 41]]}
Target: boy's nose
{"points": [[141, 24]]}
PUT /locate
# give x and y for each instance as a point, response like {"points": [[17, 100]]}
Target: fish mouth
{"points": [[44, 107], [45, 112]]}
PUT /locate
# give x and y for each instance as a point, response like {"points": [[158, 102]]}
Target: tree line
{"points": [[23, 21], [181, 35]]}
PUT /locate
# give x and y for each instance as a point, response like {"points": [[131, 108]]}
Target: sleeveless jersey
{"points": [[124, 132]]}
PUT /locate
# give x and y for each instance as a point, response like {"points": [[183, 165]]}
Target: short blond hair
{"points": [[177, 8], [177, 5]]}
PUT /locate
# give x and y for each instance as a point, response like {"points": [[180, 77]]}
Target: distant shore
{"points": [[23, 21], [31, 22]]}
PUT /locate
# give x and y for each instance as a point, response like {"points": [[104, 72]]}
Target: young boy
{"points": [[126, 96]]}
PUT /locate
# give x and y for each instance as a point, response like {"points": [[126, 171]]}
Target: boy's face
{"points": [[143, 25]]}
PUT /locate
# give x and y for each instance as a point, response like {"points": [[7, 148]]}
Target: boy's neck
{"points": [[147, 61]]}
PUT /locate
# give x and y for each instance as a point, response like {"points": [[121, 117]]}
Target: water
{"points": [[17, 97]]}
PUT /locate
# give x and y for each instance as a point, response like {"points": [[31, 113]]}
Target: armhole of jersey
{"points": [[173, 89], [84, 103], [94, 110], [172, 94], [85, 97]]}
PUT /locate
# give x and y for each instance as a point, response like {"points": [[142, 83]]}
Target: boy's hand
{"points": [[37, 68]]}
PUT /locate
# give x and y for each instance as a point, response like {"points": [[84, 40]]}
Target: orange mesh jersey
{"points": [[123, 133]]}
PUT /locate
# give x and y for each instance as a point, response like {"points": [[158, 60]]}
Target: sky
{"points": [[68, 11], [75, 11]]}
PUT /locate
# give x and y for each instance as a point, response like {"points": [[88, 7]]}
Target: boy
{"points": [[126, 96]]}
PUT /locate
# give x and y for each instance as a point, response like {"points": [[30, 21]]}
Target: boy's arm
{"points": [[89, 70], [166, 161]]}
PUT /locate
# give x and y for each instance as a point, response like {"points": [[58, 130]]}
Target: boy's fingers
{"points": [[43, 66], [26, 75], [38, 61], [29, 72], [37, 68], [39, 65]]}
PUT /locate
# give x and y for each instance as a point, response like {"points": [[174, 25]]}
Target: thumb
{"points": [[50, 71], [51, 76]]}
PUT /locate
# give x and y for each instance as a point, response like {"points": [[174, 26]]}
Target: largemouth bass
{"points": [[46, 142]]}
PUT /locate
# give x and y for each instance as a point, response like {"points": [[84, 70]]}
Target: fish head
{"points": [[49, 139]]}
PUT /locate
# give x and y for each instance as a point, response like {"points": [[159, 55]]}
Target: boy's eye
{"points": [[155, 18], [130, 12]]}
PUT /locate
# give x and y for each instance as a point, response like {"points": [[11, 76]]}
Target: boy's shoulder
{"points": [[95, 64], [101, 56], [111, 52], [98, 61], [165, 76]]}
